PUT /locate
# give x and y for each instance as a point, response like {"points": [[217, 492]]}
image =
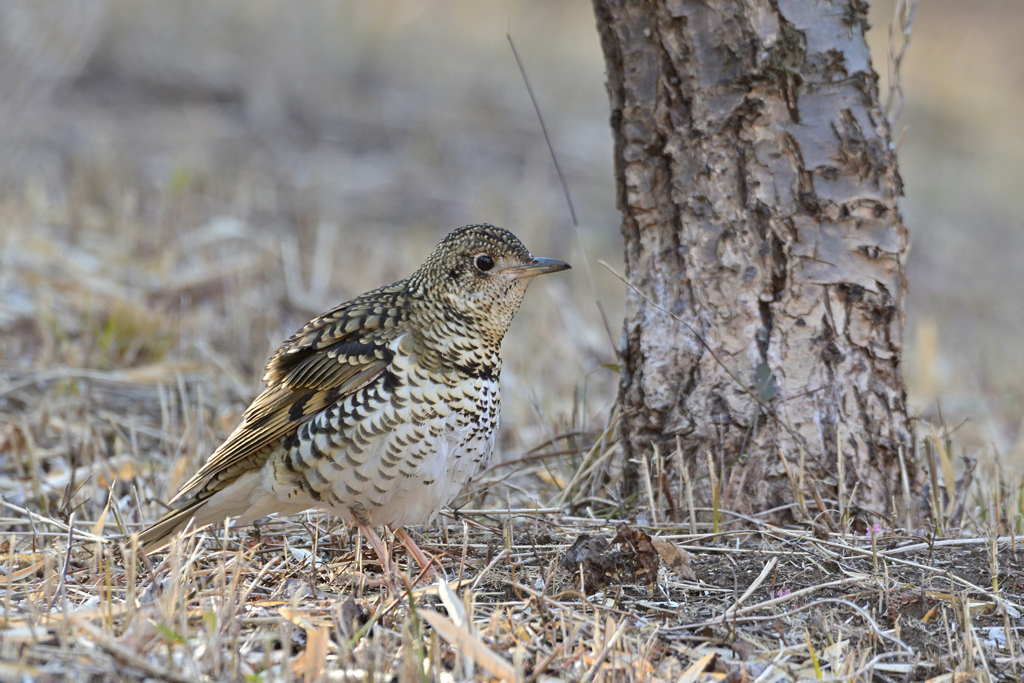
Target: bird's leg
{"points": [[417, 552], [378, 547]]}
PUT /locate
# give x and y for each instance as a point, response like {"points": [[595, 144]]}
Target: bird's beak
{"points": [[538, 266]]}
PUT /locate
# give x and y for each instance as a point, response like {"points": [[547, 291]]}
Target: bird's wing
{"points": [[330, 358]]}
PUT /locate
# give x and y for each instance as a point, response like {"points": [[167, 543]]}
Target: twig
{"points": [[53, 522], [507, 512], [820, 601], [480, 576], [754, 586], [67, 562], [568, 197], [69, 373], [945, 544], [685, 469], [543, 665], [605, 652], [470, 645], [579, 471], [953, 577], [904, 19], [875, 661]]}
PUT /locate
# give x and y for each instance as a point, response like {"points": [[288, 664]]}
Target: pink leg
{"points": [[416, 552], [378, 547]]}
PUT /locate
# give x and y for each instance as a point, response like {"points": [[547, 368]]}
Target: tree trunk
{"points": [[758, 190]]}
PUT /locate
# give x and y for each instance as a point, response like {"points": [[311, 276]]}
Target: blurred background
{"points": [[184, 183]]}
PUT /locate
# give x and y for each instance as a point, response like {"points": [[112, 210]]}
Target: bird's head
{"points": [[480, 273]]}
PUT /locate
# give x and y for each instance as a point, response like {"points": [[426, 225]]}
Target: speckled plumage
{"points": [[381, 409]]}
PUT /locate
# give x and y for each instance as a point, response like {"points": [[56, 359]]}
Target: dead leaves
{"points": [[629, 558]]}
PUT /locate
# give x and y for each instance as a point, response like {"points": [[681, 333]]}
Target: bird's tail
{"points": [[243, 498], [159, 534], [231, 501]]}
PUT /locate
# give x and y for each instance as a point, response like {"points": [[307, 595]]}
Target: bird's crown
{"points": [[474, 253]]}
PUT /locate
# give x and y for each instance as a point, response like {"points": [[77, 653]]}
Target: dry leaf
{"points": [[675, 558], [627, 558], [469, 645], [27, 571], [453, 604], [314, 659], [959, 677], [697, 668], [97, 528]]}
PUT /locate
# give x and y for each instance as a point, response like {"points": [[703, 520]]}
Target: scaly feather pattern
{"points": [[380, 409]]}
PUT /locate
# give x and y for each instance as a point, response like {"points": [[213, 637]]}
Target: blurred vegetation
{"points": [[961, 155], [188, 181]]}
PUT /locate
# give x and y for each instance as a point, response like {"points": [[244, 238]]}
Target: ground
{"points": [[579, 587], [303, 599]]}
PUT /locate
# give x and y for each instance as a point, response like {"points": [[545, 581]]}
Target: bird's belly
{"points": [[385, 470], [417, 499]]}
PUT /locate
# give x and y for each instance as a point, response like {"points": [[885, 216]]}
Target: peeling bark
{"points": [[758, 190]]}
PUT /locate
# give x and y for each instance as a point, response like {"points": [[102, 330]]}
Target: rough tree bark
{"points": [[758, 190]]}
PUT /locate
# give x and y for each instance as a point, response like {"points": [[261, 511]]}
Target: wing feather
{"points": [[332, 357]]}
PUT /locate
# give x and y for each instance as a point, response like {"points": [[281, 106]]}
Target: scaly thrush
{"points": [[379, 410]]}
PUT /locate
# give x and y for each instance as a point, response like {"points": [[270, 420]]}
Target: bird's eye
{"points": [[483, 262]]}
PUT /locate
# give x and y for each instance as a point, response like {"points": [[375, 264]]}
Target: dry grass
{"points": [[705, 596], [301, 599], [169, 223]]}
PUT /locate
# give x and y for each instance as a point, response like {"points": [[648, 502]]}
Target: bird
{"points": [[379, 410]]}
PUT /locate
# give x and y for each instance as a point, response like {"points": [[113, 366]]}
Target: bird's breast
{"points": [[416, 434]]}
